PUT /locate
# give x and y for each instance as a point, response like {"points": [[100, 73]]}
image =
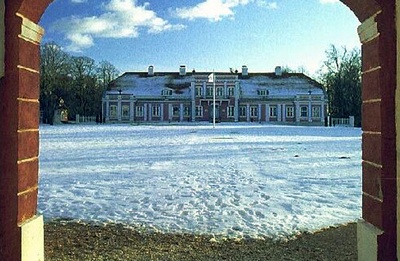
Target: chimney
{"points": [[278, 71], [245, 70], [150, 71], [182, 70]]}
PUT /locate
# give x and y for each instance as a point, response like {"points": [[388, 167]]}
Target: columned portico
{"points": [[181, 111], [119, 108], [236, 109], [247, 112], [297, 109], [267, 113], [107, 109], [309, 109], [279, 112], [161, 111], [145, 111], [132, 109]]}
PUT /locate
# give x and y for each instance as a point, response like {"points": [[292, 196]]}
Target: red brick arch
{"points": [[19, 124]]}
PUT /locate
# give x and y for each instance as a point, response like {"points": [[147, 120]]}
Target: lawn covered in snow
{"points": [[235, 180]]}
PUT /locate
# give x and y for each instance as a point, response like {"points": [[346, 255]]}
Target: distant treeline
{"points": [[74, 83], [341, 76]]}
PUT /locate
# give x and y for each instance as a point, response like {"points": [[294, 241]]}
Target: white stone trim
{"points": [[367, 241], [32, 239], [368, 30], [30, 31]]}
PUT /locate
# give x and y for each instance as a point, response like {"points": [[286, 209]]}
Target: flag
{"points": [[211, 77]]}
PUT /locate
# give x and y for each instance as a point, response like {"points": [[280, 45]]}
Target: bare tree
{"points": [[83, 71], [341, 76], [54, 68], [106, 72], [78, 81]]}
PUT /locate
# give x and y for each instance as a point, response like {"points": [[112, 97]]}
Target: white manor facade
{"points": [[286, 98]]}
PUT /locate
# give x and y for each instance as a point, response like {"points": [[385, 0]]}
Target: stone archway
{"points": [[21, 228]]}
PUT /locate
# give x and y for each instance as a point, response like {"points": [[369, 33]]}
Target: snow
{"points": [[141, 86], [278, 87], [237, 180]]}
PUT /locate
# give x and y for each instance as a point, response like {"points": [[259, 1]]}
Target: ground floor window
{"points": [[156, 109], [113, 111], [253, 111], [242, 112], [231, 111], [303, 111], [272, 111], [139, 111], [316, 111], [289, 112], [175, 111], [186, 111], [199, 111], [125, 110]]}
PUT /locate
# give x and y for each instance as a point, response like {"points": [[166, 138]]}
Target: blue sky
{"points": [[202, 34]]}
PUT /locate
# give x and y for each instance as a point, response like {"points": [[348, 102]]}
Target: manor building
{"points": [[291, 98]]}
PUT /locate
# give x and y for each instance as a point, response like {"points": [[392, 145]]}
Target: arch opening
{"points": [[379, 48]]}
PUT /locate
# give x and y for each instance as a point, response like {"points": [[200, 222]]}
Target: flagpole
{"points": [[214, 80]]}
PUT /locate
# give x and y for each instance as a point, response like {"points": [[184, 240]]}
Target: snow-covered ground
{"points": [[235, 180]]}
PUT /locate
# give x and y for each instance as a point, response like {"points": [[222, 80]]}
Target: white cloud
{"points": [[78, 1], [79, 42], [121, 19], [267, 4], [213, 10], [216, 10], [328, 1]]}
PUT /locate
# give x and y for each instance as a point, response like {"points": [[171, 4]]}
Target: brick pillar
{"points": [[398, 118], [377, 230], [21, 231]]}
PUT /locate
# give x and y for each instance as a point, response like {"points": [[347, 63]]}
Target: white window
{"points": [[125, 110], [155, 110], [231, 111], [199, 111], [210, 91], [220, 91], [231, 91], [139, 111], [186, 111], [262, 92], [166, 92], [175, 111], [303, 111], [242, 112], [199, 91], [253, 111], [316, 111], [113, 111], [289, 112], [272, 111]]}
